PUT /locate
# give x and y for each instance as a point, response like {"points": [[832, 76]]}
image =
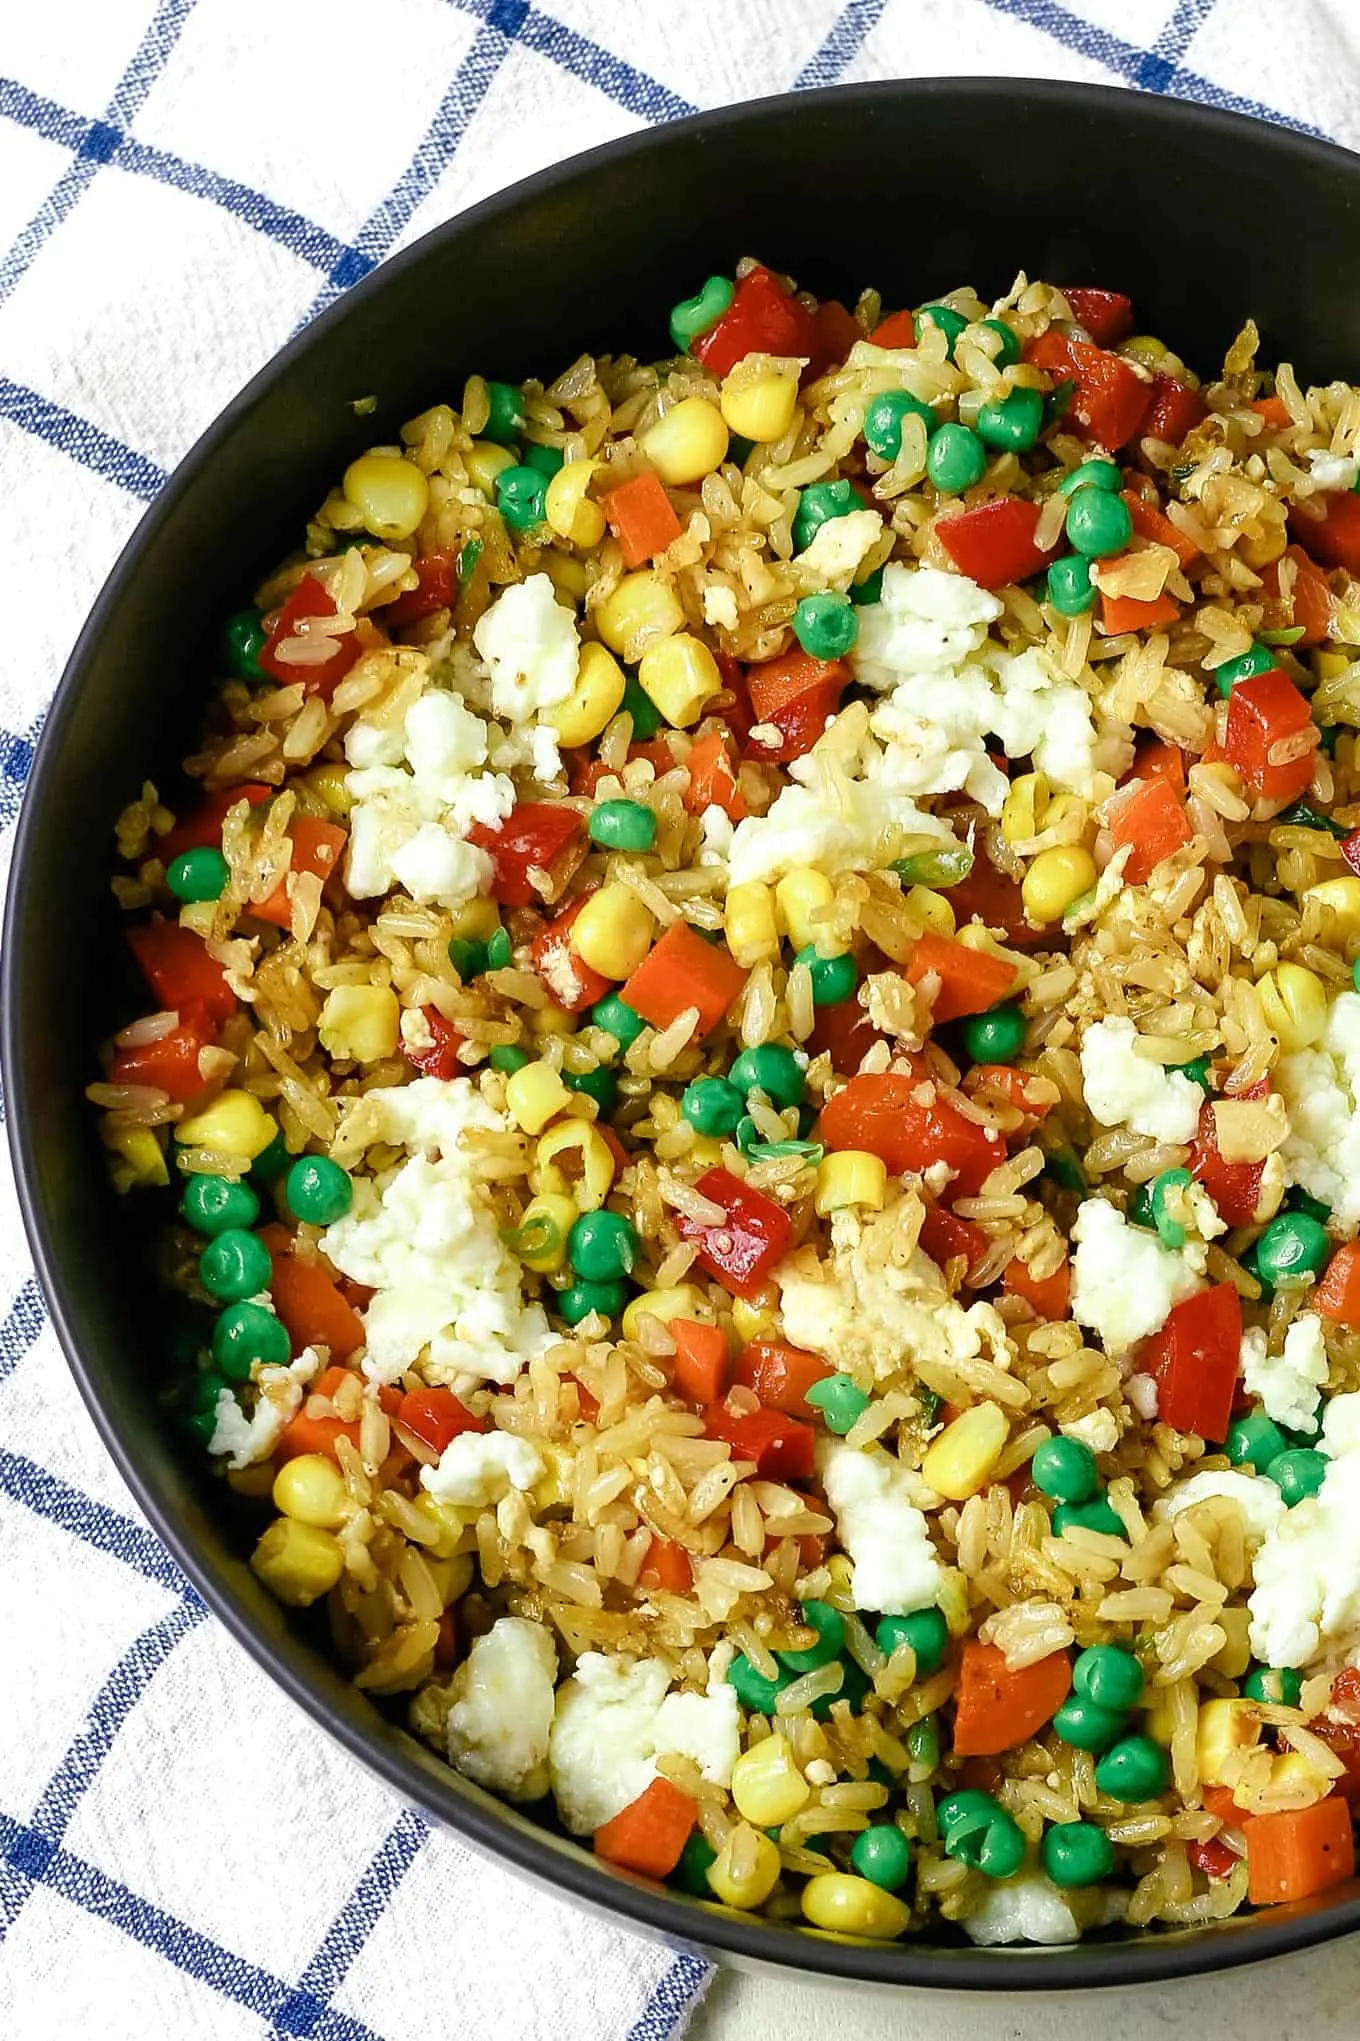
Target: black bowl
{"points": [[917, 188]]}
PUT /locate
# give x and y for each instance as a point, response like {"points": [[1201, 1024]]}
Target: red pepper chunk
{"points": [[535, 836], [897, 330], [572, 983], [1121, 613], [1004, 1084], [881, 1113], [1110, 400], [993, 898], [1151, 523], [439, 1057], [1213, 1858], [1337, 1296], [640, 515], [1048, 1296], [434, 590], [308, 1300], [203, 829], [1174, 412], [761, 319], [836, 331], [309, 599], [743, 1246], [1266, 712], [781, 1375], [1333, 538], [782, 1447], [681, 971], [699, 1370], [176, 965], [1106, 315], [435, 1416], [994, 543], [1235, 1187], [316, 849], [945, 1237], [845, 1033], [969, 980], [667, 1566], [1194, 1361], [1311, 605], [796, 695], [171, 1061], [1151, 818]]}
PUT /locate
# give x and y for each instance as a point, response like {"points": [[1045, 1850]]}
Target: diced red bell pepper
{"points": [[1264, 711], [1344, 1739], [1234, 1187], [1174, 412], [641, 517], [1349, 847], [667, 1566], [898, 329], [713, 777], [991, 897], [796, 695], [699, 1370], [1213, 1858], [1048, 1296], [800, 724], [534, 837], [1194, 1360], [878, 1111], [176, 965], [571, 982], [1333, 538], [845, 1033], [945, 1237], [836, 332], [1121, 613], [440, 1058], [1152, 524], [436, 1415], [781, 1375], [1106, 315], [308, 1301], [435, 589], [782, 1447], [1158, 760], [682, 970], [1344, 1698], [1150, 816], [1295, 1854], [761, 319], [650, 1833], [993, 544], [969, 980], [316, 849], [203, 829], [1005, 1083], [1311, 606], [586, 774], [741, 1248], [309, 599], [171, 1061], [1111, 398], [1337, 1296]]}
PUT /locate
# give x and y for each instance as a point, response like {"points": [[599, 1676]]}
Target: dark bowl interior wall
{"points": [[915, 188]]}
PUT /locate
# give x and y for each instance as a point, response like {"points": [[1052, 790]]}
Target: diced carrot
{"points": [[997, 1706], [992, 1082], [1151, 523], [1159, 760], [1151, 819], [700, 1367], [1311, 603], [203, 828], [1120, 613], [667, 1566], [969, 980], [648, 1836], [171, 1061], [683, 970], [641, 517], [1275, 412], [1305, 1850], [176, 965], [781, 1375], [713, 777], [308, 1300], [1049, 1295], [897, 330], [773, 684], [1337, 1296], [316, 849], [993, 898], [1220, 1802]]}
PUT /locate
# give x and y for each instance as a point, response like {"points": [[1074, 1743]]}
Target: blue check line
{"points": [[107, 1530], [80, 440], [1180, 31], [675, 1992], [16, 762], [844, 41], [356, 1919], [25, 1320], [614, 76]]}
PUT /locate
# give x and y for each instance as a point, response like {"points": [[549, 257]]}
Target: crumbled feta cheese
{"points": [[925, 621], [1307, 1572], [1332, 471], [478, 1469], [720, 606], [838, 549], [604, 1737], [408, 823], [501, 1718], [715, 847], [1124, 1089], [243, 1440], [1099, 1430], [703, 1727], [530, 644], [853, 823], [1290, 1383], [1259, 1500], [896, 1569], [1321, 1088], [423, 1239], [1141, 1391], [1027, 1908], [1124, 1282]]}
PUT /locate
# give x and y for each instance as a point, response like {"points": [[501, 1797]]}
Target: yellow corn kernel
{"points": [[852, 1177], [452, 1576], [1223, 1728], [613, 931], [853, 1906], [568, 575], [1294, 1002], [749, 924], [573, 1160], [931, 909], [484, 461], [311, 1490], [1145, 347], [681, 1301], [551, 1020], [961, 1458], [444, 1526], [1267, 546], [753, 1318], [1233, 1657], [390, 494], [235, 1122], [360, 1023], [543, 1231], [839, 1590], [476, 921], [1061, 808], [640, 610], [1296, 1782], [594, 701], [1056, 881], [138, 1161], [1339, 900], [568, 507], [298, 1563], [797, 897], [554, 1486], [1023, 811], [706, 1150], [1160, 1720], [535, 1094], [767, 1785], [328, 784], [1331, 665], [689, 442], [680, 675], [759, 406], [757, 1873]]}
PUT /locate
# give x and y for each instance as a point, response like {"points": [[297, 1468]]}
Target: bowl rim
{"points": [[474, 1817]]}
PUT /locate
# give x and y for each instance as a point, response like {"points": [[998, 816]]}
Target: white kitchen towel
{"points": [[181, 1852]]}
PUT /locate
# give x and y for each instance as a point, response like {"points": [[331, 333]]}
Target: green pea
{"points": [[691, 1873], [1098, 524], [616, 1018], [647, 717], [712, 1106], [756, 1691], [882, 1854], [234, 1265], [1076, 1853], [467, 954], [1254, 1441], [1197, 1070], [601, 1247], [1088, 1516], [200, 1413], [1139, 1211], [950, 323], [1086, 1725], [272, 1161], [870, 590], [1277, 1686], [212, 1204], [967, 1808], [1062, 1167], [1013, 424], [1134, 1769], [996, 1036], [582, 1298], [1246, 666], [1002, 1849], [199, 874], [817, 505], [1065, 1469], [246, 1333], [506, 420], [1292, 1246], [1070, 588], [500, 950], [833, 978], [840, 1402], [884, 418], [1312, 1208], [773, 1070], [978, 1832], [1164, 1189], [520, 496], [623, 825], [829, 1624], [318, 1190], [956, 459], [1110, 1677], [549, 460], [825, 625], [1009, 351], [244, 638], [507, 1058], [923, 1744], [599, 1084], [1298, 1473], [693, 317], [1095, 474], [925, 1630]]}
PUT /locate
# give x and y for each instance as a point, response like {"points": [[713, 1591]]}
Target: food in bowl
{"points": [[754, 1082]]}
